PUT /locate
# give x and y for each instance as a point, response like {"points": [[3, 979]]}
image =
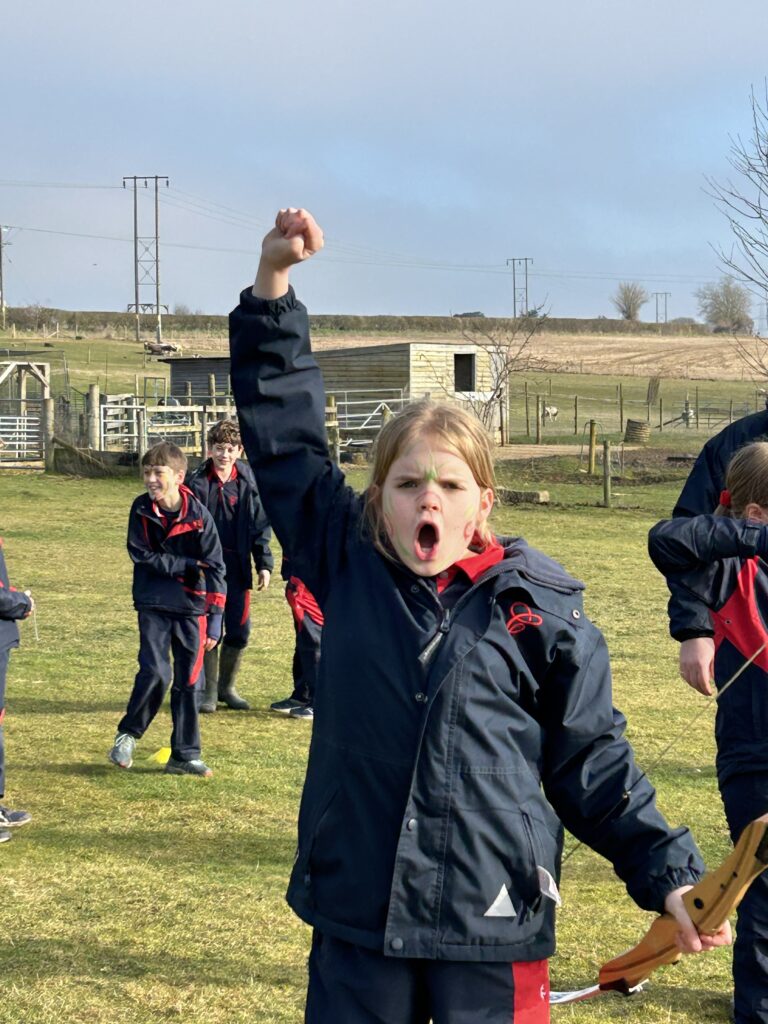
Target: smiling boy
{"points": [[179, 591]]}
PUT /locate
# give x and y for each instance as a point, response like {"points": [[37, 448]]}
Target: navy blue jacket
{"points": [[700, 496], [718, 561], [166, 577], [13, 605], [423, 814], [253, 530]]}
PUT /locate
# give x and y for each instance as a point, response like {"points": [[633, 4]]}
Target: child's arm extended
{"points": [[591, 778], [281, 405]]}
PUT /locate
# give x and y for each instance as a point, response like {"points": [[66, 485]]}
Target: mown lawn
{"points": [[135, 897]]}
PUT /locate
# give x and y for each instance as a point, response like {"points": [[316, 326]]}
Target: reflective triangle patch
{"points": [[501, 906]]}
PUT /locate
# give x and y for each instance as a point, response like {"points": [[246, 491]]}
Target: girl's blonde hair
{"points": [[746, 480], [456, 428]]}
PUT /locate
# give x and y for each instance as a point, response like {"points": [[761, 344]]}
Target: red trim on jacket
{"points": [[2, 715], [739, 619], [215, 599]]}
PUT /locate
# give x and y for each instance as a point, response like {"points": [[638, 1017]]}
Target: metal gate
{"points": [[21, 432]]}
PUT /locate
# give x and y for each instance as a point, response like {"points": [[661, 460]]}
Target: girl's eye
{"points": [[452, 485], [404, 484]]}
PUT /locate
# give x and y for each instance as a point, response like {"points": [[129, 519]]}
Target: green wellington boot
{"points": [[211, 669], [229, 663]]}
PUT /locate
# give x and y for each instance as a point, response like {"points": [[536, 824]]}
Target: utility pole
{"points": [[146, 256], [657, 295], [2, 289], [519, 295]]}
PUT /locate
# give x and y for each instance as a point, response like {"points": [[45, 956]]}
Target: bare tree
{"points": [[745, 201], [725, 306], [629, 297]]}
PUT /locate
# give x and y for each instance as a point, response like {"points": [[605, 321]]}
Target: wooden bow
{"points": [[709, 903]]}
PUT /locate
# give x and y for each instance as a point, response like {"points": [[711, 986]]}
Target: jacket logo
{"points": [[501, 906], [521, 616]]}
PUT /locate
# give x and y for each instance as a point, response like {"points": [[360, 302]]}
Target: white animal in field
{"points": [[548, 412]]}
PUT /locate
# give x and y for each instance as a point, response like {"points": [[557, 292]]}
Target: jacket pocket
{"points": [[491, 893]]}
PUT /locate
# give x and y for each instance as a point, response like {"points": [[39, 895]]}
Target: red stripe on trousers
{"points": [[531, 982], [246, 608], [201, 625], [2, 715]]}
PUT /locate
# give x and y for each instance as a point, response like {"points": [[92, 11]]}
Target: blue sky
{"points": [[433, 141]]}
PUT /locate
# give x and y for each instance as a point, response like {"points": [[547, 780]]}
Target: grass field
{"points": [[136, 897]]}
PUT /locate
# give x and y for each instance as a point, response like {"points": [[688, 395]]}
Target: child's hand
{"points": [[28, 593], [688, 939], [697, 663], [263, 577], [295, 237]]}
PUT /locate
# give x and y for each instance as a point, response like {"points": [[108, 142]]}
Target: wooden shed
{"points": [[415, 368]]}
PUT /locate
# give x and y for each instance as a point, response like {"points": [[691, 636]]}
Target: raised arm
{"points": [[280, 401]]}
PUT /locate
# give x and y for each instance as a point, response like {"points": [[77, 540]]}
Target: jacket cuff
{"points": [[269, 307], [652, 894]]}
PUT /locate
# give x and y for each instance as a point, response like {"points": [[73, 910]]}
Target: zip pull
{"points": [[426, 655]]}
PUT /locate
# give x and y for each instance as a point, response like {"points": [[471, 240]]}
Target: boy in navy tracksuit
{"points": [[431, 827], [14, 605], [179, 591], [308, 627], [225, 485]]}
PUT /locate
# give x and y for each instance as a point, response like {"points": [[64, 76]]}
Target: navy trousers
{"points": [[161, 636], [745, 798], [352, 985], [237, 616], [306, 659], [4, 658]]}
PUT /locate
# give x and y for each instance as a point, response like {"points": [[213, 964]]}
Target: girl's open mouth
{"points": [[427, 540]]}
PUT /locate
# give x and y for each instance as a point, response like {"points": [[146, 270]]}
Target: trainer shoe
{"points": [[122, 750], [197, 767], [306, 712], [286, 706], [12, 819], [5, 835]]}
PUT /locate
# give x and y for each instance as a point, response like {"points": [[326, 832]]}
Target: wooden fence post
{"points": [[607, 474], [212, 388], [49, 429], [93, 412], [592, 446], [661, 414], [621, 408], [204, 432], [332, 428], [141, 435], [696, 405], [575, 414], [730, 411], [527, 410], [538, 418]]}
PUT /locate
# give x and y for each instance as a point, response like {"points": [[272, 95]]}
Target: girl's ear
{"points": [[757, 512], [486, 504]]}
